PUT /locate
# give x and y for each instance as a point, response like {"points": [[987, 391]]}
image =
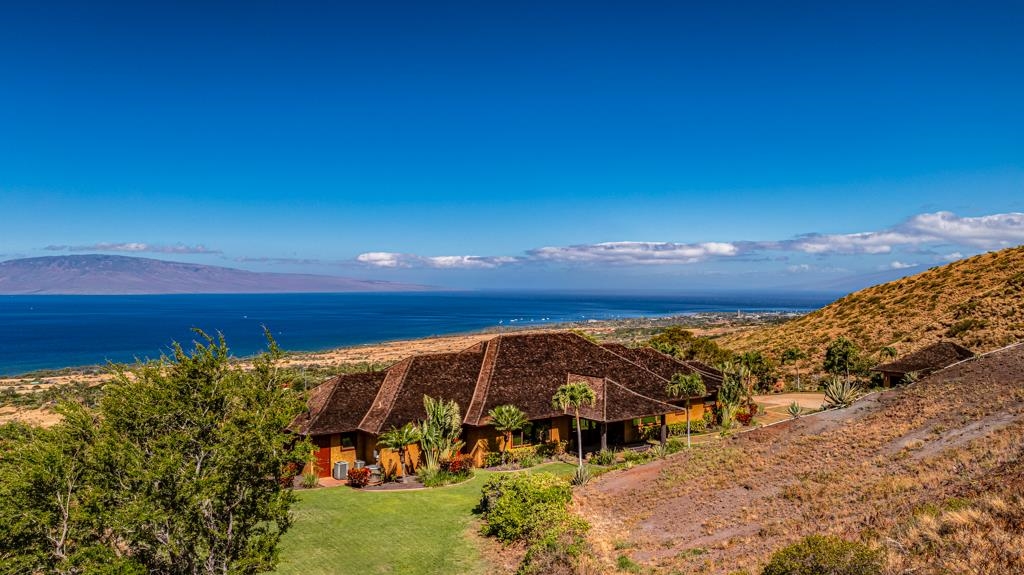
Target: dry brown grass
{"points": [[978, 302], [862, 472]]}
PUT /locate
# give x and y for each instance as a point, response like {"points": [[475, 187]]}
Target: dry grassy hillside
{"points": [[977, 302], [881, 471]]}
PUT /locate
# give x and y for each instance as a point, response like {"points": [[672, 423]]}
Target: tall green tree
{"points": [[841, 357], [507, 419], [688, 386], [399, 439], [185, 467], [793, 356], [573, 396]]}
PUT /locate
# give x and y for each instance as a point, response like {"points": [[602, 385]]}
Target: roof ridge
{"points": [[323, 406], [626, 359], [640, 395], [387, 393], [474, 411]]}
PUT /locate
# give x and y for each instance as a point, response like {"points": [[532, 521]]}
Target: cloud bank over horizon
{"points": [[920, 234], [133, 247]]}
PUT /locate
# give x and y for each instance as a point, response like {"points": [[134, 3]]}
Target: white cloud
{"points": [[136, 247], [636, 252], [399, 260], [992, 231], [898, 265], [951, 257]]}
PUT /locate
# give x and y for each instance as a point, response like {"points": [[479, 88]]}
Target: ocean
{"points": [[50, 332]]}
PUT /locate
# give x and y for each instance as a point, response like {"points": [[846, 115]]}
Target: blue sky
{"points": [[391, 140]]}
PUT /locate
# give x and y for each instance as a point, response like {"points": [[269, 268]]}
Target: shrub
{"points": [[455, 465], [815, 555], [310, 480], [636, 457], [534, 509], [675, 445], [493, 459], [709, 419], [603, 457], [517, 506], [528, 460], [358, 478], [441, 477]]}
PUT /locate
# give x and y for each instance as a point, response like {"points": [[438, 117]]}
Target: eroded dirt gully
{"points": [[856, 472]]}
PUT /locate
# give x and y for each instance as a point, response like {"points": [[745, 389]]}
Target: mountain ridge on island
{"points": [[105, 274]]}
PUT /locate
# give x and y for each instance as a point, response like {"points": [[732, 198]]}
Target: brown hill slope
{"points": [[858, 473], [977, 302]]}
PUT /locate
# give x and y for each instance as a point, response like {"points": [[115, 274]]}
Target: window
{"points": [[585, 424], [348, 440], [532, 433]]}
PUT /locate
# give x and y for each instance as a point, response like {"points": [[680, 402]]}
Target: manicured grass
{"points": [[345, 531]]}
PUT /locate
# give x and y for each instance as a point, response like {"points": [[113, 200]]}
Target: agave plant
{"points": [[840, 392], [795, 410], [581, 476]]}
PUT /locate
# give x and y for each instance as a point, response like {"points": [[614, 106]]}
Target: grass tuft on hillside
{"points": [[977, 302]]}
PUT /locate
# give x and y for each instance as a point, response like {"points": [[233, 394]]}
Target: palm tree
{"points": [[507, 419], [575, 395], [793, 355], [399, 439], [687, 385]]}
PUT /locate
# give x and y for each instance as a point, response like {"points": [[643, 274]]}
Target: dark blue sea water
{"points": [[45, 332]]}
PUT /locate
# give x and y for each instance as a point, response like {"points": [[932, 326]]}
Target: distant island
{"points": [[95, 274]]}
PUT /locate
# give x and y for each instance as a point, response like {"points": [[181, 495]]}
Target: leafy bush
{"points": [[745, 414], [455, 465], [493, 459], [440, 477], [552, 448], [636, 457], [816, 555], [674, 445], [534, 509], [517, 506], [358, 478], [528, 460], [603, 457], [965, 325], [310, 480]]}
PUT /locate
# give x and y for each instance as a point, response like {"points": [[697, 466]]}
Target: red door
{"points": [[323, 456]]}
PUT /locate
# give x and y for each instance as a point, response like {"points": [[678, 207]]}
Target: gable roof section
{"points": [[529, 368], [928, 359], [667, 366], [338, 404], [448, 376]]}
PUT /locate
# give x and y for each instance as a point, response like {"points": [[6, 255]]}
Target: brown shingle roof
{"points": [[667, 366], [529, 368], [338, 404], [524, 370], [928, 359]]}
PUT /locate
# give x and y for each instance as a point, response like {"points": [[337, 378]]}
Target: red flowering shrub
{"points": [[746, 414], [358, 477], [455, 465]]}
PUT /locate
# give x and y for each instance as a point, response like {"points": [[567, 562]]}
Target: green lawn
{"points": [[342, 530]]}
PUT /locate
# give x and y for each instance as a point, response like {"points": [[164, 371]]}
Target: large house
{"points": [[923, 361], [347, 413]]}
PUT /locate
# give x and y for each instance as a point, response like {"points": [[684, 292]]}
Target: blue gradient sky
{"points": [[297, 136]]}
